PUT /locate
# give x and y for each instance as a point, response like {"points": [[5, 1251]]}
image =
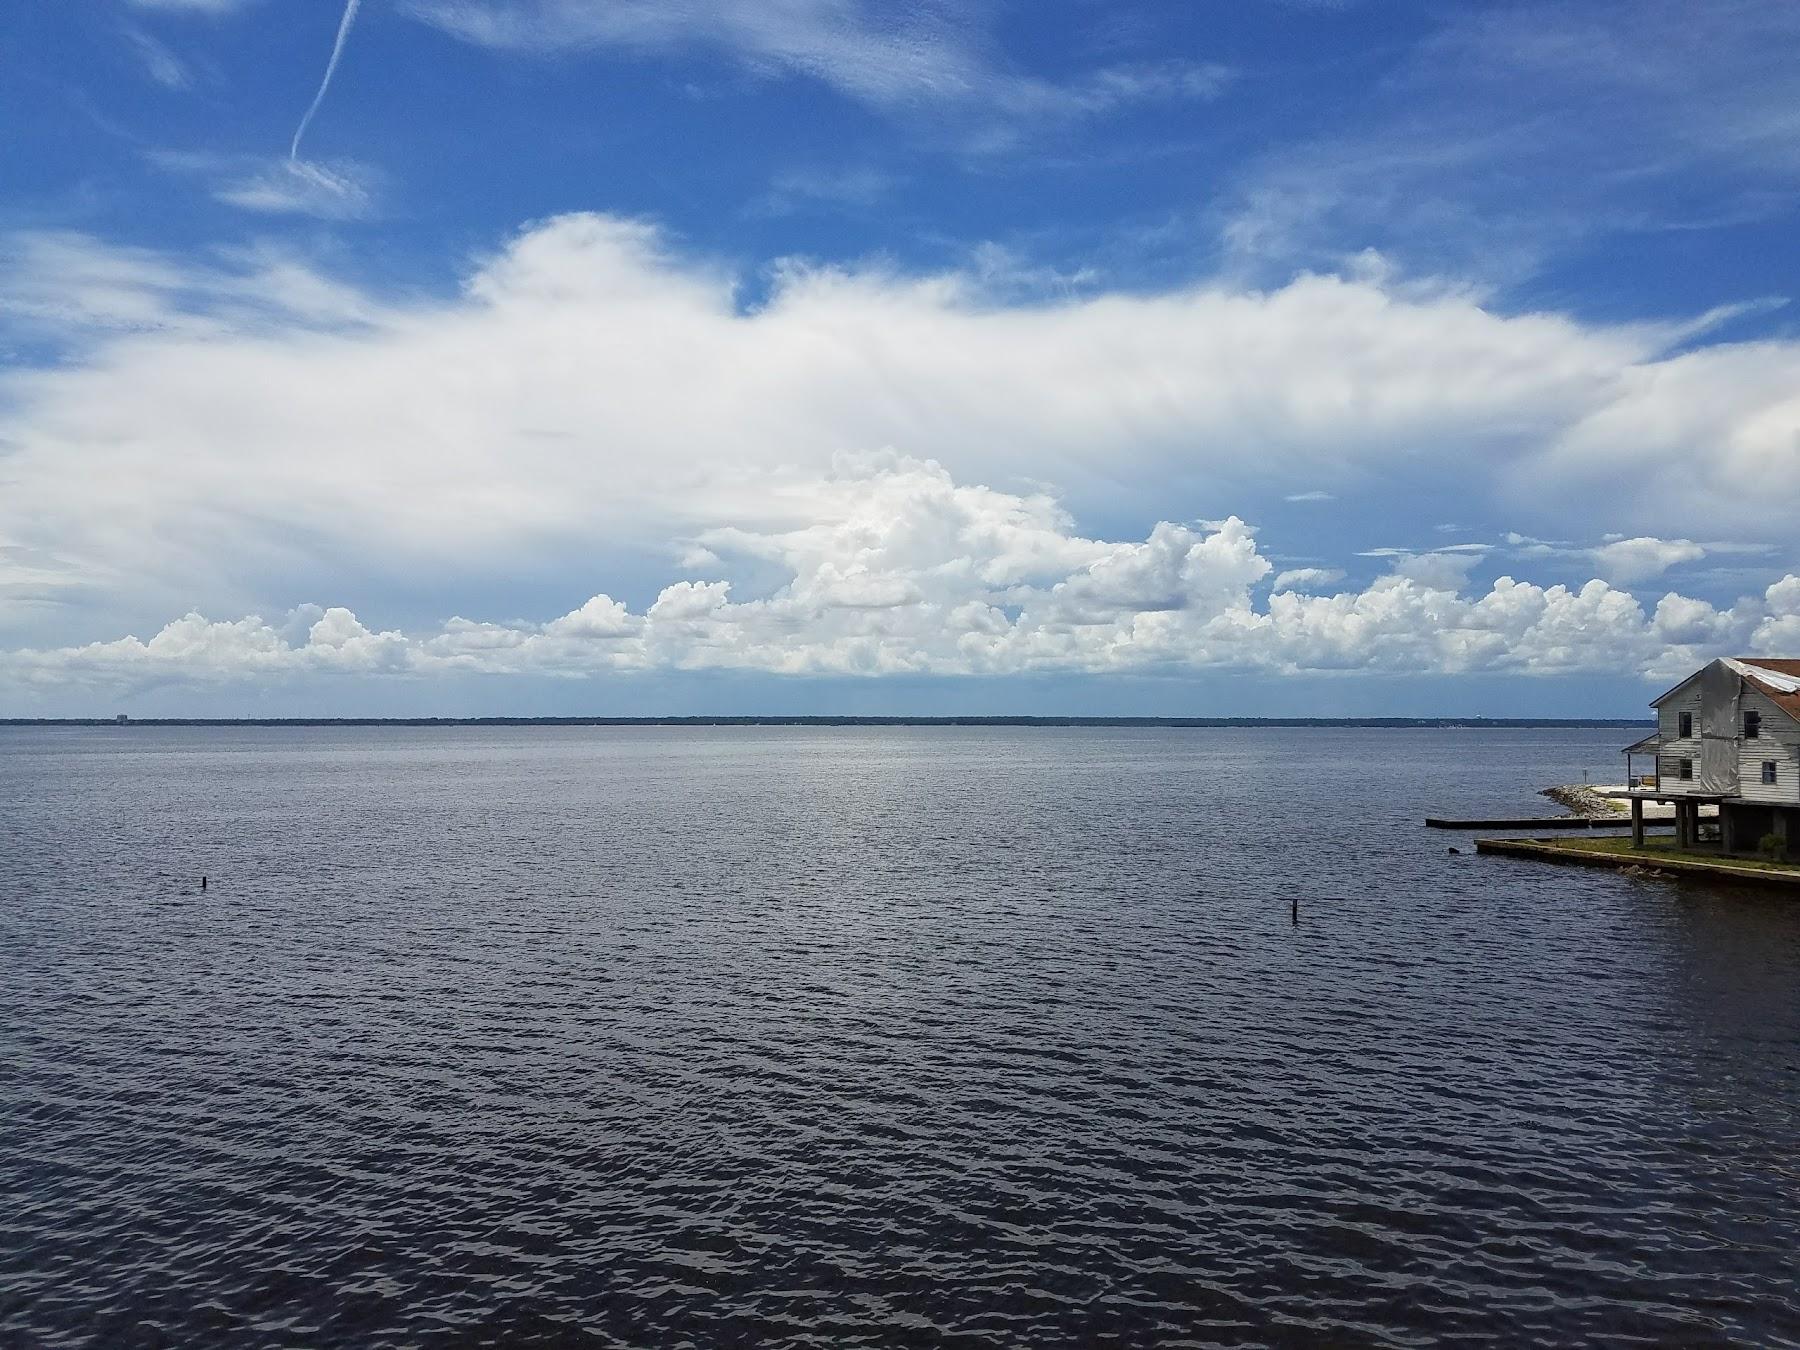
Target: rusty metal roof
{"points": [[1777, 677]]}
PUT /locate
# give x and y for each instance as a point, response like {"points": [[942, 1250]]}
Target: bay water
{"points": [[871, 1037]]}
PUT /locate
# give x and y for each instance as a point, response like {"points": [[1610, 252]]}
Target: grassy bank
{"points": [[1661, 848], [1657, 858]]}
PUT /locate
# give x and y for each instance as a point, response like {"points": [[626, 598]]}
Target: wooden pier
{"points": [[1532, 823]]}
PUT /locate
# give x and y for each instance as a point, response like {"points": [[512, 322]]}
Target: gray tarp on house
{"points": [[1721, 689]]}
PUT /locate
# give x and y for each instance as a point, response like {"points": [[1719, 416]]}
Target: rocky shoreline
{"points": [[1603, 801], [1583, 799]]}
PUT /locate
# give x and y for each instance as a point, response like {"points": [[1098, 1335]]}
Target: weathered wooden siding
{"points": [[1779, 741], [1674, 749]]}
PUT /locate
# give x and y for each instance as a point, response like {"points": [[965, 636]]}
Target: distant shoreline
{"points": [[1393, 723]]}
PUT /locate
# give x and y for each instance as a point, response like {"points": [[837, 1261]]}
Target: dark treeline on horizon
{"points": [[830, 721]]}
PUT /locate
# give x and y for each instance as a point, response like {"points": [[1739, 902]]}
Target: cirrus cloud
{"points": [[922, 59]]}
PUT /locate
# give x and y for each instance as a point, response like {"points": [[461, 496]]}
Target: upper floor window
{"points": [[1687, 766], [1768, 771], [1752, 725], [1685, 725]]}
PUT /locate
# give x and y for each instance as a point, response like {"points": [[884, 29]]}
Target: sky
{"points": [[627, 357]]}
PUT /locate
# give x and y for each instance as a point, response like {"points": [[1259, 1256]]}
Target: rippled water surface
{"points": [[698, 1037]]}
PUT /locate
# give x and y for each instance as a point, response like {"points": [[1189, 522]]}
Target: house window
{"points": [[1686, 722], [1752, 725], [1768, 771], [1687, 768]]}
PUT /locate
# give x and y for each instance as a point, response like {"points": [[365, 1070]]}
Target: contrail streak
{"points": [[337, 54]]}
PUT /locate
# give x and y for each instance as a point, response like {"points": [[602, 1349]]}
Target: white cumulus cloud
{"points": [[1640, 559], [1307, 578], [237, 435], [905, 570], [588, 383]]}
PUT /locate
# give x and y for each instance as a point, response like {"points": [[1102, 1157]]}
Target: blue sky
{"points": [[596, 355]]}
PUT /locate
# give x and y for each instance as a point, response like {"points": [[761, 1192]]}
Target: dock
{"points": [[1590, 807], [1532, 823]]}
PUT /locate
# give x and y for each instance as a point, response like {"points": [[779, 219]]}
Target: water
{"points": [[870, 1037]]}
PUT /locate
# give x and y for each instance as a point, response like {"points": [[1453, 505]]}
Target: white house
{"points": [[1728, 734]]}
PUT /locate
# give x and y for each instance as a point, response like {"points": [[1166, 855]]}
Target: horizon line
{"points": [[830, 720]]}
